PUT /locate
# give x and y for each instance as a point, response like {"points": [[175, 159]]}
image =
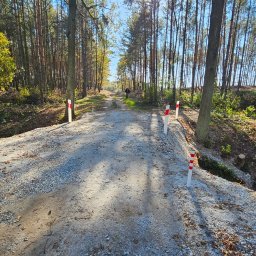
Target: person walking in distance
{"points": [[127, 91]]}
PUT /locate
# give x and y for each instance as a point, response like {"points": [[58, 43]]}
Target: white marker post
{"points": [[69, 111], [166, 118], [177, 109], [190, 168]]}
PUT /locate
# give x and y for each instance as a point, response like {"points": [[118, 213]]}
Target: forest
{"points": [[64, 49], [38, 41], [127, 127], [163, 47], [166, 46], [58, 50]]}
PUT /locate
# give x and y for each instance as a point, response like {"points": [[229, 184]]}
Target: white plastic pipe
{"points": [[189, 178], [69, 111], [177, 109], [166, 118], [190, 168]]}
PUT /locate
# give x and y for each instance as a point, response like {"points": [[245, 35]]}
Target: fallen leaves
{"points": [[190, 223], [228, 243]]}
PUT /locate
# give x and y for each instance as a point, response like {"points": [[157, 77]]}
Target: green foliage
{"points": [[130, 102], [250, 111], [217, 168], [185, 99], [248, 98], [24, 92], [34, 97], [197, 99], [225, 106], [149, 95], [168, 96], [77, 92], [226, 150], [136, 104], [56, 96], [29, 95], [7, 65], [90, 103]]}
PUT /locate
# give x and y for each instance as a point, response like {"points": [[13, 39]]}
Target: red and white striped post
{"points": [[177, 109], [166, 118], [69, 111], [190, 168]]}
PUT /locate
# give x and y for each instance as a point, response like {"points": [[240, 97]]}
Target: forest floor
{"points": [[240, 134], [111, 183], [16, 118]]}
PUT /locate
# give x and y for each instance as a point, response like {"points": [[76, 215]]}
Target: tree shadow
{"points": [[106, 204], [126, 215]]}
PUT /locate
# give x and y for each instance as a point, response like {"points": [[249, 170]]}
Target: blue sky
{"points": [[121, 15]]}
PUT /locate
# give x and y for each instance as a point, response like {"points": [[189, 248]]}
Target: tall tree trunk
{"points": [[224, 72], [195, 55], [26, 56], [245, 39], [184, 48], [210, 72], [20, 52], [170, 63], [233, 48], [164, 51], [156, 27], [84, 56], [201, 53], [71, 53], [40, 48]]}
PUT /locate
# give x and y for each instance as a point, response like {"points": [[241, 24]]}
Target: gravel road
{"points": [[112, 183]]}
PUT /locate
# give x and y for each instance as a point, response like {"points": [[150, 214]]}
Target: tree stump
{"points": [[240, 161]]}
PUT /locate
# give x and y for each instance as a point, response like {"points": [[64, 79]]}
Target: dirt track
{"points": [[113, 184]]}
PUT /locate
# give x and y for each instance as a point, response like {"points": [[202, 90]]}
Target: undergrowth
{"points": [[217, 169], [137, 104]]}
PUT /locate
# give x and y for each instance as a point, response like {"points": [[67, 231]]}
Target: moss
{"points": [[217, 169]]}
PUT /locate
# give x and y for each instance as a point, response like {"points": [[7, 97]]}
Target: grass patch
{"points": [[89, 104], [218, 169], [135, 104], [131, 103]]}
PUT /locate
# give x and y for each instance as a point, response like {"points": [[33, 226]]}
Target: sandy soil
{"points": [[113, 184]]}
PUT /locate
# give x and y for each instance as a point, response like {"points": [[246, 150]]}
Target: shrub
{"points": [[24, 92], [185, 98], [226, 150], [168, 96], [225, 106], [197, 99], [250, 111], [130, 102], [34, 97], [29, 95], [248, 98], [7, 64]]}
